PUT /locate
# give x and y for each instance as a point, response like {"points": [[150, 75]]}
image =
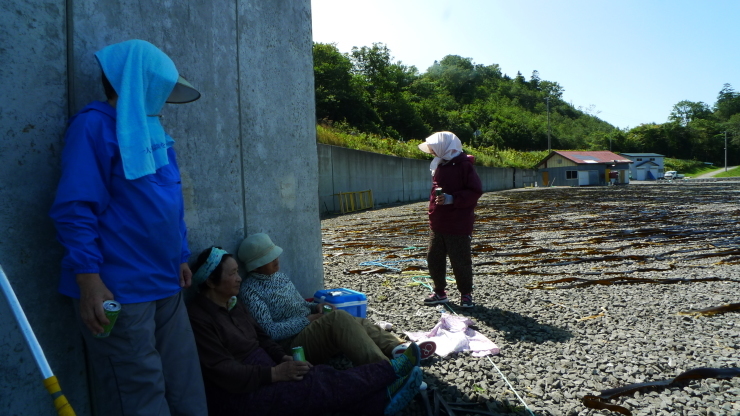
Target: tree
{"points": [[686, 111], [338, 95], [728, 103], [387, 86]]}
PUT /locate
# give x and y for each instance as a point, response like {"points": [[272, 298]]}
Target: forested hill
{"points": [[366, 91]]}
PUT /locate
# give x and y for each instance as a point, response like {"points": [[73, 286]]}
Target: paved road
{"points": [[714, 172]]}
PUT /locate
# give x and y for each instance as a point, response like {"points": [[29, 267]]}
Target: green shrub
{"points": [[340, 134], [683, 166]]}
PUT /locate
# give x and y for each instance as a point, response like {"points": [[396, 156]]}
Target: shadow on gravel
{"points": [[454, 398], [516, 327]]}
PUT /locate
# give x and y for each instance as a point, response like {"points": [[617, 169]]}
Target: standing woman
{"points": [[451, 216]]}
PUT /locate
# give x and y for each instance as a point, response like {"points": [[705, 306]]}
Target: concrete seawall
{"points": [[393, 179], [251, 60]]}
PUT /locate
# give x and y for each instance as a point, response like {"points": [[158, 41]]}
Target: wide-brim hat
{"points": [[257, 250], [183, 93], [424, 147], [433, 139]]}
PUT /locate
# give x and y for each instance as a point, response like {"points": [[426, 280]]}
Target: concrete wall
{"points": [[394, 179], [246, 149]]}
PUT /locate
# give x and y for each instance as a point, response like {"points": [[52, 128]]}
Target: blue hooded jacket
{"points": [[130, 231]]}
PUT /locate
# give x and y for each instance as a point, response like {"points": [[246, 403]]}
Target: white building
{"points": [[645, 166]]}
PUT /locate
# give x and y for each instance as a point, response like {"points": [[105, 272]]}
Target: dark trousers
{"points": [[457, 248], [359, 390]]}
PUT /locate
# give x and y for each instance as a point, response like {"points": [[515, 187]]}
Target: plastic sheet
{"points": [[453, 334]]}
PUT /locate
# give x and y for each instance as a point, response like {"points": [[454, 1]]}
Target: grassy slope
{"points": [[373, 143], [730, 173], [346, 137]]}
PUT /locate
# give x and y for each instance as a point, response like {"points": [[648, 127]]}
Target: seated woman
{"points": [[246, 373], [289, 319]]}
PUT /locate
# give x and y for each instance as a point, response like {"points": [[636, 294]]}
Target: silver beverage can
{"points": [[111, 309]]}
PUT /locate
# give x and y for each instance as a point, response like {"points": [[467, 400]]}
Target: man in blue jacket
{"points": [[119, 215]]}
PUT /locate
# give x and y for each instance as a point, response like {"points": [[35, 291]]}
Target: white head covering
{"points": [[445, 145]]}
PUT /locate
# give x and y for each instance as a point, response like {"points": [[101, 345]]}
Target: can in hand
{"points": [[326, 309], [111, 309], [298, 354], [438, 191]]}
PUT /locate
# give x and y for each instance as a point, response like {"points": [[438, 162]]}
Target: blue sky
{"points": [[628, 60]]}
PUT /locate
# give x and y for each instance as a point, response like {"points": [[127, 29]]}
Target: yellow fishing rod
{"points": [[50, 381]]}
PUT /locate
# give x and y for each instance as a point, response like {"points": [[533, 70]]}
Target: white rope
{"points": [[510, 386], [500, 373]]}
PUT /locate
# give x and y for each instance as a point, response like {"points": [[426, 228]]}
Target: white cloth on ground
{"points": [[453, 334]]}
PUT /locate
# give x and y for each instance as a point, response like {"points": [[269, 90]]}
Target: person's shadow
{"points": [[514, 326]]}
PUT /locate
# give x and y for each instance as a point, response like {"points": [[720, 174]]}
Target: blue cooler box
{"points": [[355, 303]]}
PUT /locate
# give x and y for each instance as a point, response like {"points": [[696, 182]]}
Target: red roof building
{"points": [[578, 168]]}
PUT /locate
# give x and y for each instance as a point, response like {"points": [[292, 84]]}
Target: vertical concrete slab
{"points": [[252, 109], [201, 40], [278, 129], [33, 112], [418, 179], [356, 170], [326, 182]]}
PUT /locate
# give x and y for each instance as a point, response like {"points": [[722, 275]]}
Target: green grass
{"points": [[344, 136], [687, 167], [729, 174], [340, 134], [695, 168]]}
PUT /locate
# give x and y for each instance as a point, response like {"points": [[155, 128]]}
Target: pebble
{"points": [[550, 354]]}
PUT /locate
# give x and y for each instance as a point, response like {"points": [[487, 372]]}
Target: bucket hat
{"points": [[257, 250]]}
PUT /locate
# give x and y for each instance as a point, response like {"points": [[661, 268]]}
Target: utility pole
{"points": [[549, 148], [725, 150]]}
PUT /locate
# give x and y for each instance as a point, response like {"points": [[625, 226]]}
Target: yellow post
{"points": [[355, 201]]}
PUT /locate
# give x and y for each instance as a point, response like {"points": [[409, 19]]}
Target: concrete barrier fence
{"points": [[393, 179]]}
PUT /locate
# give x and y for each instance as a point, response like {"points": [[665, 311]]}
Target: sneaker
{"points": [[436, 298], [402, 391], [426, 348], [467, 301], [406, 360]]}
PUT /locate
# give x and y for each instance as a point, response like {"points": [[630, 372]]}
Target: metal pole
{"points": [[50, 381], [725, 150], [549, 148]]}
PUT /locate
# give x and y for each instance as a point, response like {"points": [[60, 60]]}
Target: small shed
{"points": [[645, 166], [576, 168]]}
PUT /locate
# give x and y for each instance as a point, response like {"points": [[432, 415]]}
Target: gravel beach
{"points": [[657, 251]]}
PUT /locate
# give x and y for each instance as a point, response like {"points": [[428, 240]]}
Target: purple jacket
{"points": [[459, 179]]}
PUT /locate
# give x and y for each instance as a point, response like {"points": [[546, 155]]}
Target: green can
{"points": [[298, 354], [438, 191], [111, 309], [326, 309]]}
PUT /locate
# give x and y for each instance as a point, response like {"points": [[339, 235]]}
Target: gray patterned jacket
{"points": [[276, 304]]}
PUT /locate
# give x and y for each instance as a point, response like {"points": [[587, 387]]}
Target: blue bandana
{"points": [[209, 266]]}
